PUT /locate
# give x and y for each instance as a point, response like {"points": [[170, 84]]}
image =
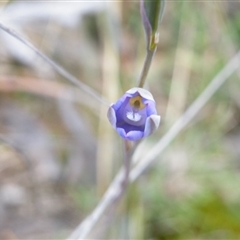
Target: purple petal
{"points": [[128, 127], [132, 91], [131, 136], [151, 108], [142, 92], [129, 132], [122, 133], [151, 125], [120, 102], [120, 112], [112, 116], [134, 135], [145, 94]]}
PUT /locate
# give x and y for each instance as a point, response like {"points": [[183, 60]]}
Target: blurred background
{"points": [[58, 153]]}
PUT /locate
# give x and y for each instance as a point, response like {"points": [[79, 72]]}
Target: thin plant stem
{"points": [[54, 65], [146, 67], [52, 89], [127, 162], [110, 198]]}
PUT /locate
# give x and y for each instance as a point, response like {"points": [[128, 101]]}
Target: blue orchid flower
{"points": [[134, 115]]}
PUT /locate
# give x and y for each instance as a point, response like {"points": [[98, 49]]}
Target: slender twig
{"points": [[127, 162], [146, 67], [110, 198], [188, 115], [47, 88], [54, 65], [114, 191]]}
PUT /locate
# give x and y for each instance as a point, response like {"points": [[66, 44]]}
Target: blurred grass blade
{"points": [[152, 12], [85, 88]]}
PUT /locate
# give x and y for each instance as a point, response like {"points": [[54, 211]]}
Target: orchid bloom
{"points": [[134, 115]]}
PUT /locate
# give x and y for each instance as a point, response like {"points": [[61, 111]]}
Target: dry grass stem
{"points": [[47, 88], [54, 65]]}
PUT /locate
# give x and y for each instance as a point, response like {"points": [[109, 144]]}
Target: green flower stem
{"points": [[127, 162], [146, 66]]}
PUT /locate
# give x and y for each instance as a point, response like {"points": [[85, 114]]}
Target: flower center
{"points": [[135, 112], [136, 102]]}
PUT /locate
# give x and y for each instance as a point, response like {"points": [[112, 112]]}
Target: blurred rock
{"points": [[25, 132], [12, 195]]}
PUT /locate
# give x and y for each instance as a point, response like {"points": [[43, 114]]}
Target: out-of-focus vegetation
{"points": [[58, 153]]}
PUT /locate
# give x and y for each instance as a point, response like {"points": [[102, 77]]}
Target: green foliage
{"points": [[204, 213], [154, 11]]}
